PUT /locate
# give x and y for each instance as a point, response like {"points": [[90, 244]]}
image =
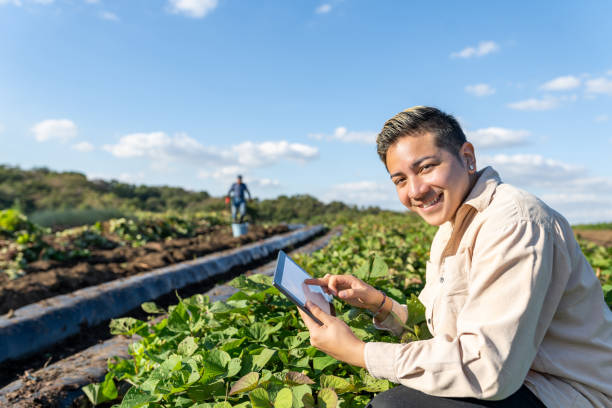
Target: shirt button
{"points": [[441, 279], [429, 321]]}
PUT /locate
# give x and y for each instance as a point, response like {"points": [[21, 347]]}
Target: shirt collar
{"points": [[481, 194]]}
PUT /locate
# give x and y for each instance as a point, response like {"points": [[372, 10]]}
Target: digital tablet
{"points": [[289, 279]]}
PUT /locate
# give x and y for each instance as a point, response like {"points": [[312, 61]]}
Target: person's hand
{"points": [[334, 338], [351, 289]]}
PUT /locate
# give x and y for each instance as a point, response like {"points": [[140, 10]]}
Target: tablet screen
{"points": [[292, 281]]}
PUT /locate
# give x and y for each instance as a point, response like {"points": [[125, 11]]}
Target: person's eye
{"points": [[425, 168], [398, 180]]}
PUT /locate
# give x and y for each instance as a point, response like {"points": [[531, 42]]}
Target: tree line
{"points": [[41, 190]]}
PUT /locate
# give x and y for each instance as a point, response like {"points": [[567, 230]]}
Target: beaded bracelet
{"points": [[384, 299]]}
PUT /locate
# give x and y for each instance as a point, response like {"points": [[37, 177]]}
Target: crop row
{"points": [[252, 350], [23, 242]]}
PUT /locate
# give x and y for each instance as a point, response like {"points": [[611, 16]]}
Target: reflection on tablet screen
{"points": [[293, 282]]}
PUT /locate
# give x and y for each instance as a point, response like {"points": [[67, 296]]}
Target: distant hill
{"points": [[41, 190]]}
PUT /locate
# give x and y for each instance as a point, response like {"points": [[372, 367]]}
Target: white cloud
{"points": [[480, 89], [263, 183], [496, 137], [193, 8], [55, 129], [323, 9], [107, 15], [534, 104], [581, 207], [483, 48], [562, 83], [131, 178], [162, 148], [344, 135], [263, 154], [225, 173], [602, 118], [83, 147], [363, 193], [532, 169], [599, 86]]}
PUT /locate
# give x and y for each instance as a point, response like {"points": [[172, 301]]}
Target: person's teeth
{"points": [[434, 201]]}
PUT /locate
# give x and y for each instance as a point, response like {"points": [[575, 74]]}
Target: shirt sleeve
{"points": [[394, 322], [508, 308]]}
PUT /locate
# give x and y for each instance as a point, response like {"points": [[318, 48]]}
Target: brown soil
{"points": [[46, 279], [600, 237]]}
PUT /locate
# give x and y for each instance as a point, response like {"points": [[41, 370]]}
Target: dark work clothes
{"points": [[404, 397], [237, 191]]}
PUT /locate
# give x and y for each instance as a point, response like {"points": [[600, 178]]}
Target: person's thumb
{"points": [[318, 313]]}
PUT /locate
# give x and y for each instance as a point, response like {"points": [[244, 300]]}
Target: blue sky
{"points": [[292, 94]]}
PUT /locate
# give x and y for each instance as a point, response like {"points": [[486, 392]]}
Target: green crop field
{"points": [[253, 350]]}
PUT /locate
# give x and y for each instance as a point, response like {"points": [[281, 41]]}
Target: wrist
{"points": [[379, 302], [384, 311]]}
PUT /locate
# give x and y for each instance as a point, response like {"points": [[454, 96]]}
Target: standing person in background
{"points": [[517, 314], [236, 192]]}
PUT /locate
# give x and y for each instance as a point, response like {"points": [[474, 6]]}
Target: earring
{"points": [[471, 167]]}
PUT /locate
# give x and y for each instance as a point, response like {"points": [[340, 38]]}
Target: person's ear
{"points": [[468, 157]]}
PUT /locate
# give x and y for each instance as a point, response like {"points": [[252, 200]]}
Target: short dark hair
{"points": [[416, 121]]}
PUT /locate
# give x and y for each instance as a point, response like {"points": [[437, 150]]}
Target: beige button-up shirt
{"points": [[510, 299]]}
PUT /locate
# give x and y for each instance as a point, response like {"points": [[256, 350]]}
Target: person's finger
{"points": [[310, 324], [316, 281], [318, 313]]}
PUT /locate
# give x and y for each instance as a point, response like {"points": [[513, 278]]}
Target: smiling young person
{"points": [[516, 312]]}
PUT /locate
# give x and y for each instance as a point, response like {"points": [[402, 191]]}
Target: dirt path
{"points": [[45, 279], [600, 237]]}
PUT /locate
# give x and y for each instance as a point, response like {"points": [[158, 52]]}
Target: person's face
{"points": [[239, 180], [430, 180]]}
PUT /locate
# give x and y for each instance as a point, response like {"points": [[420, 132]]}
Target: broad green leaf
{"points": [[178, 319], [259, 332], [203, 392], [223, 404], [136, 398], [320, 363], [259, 398], [261, 359], [379, 268], [416, 311], [233, 367], [187, 347], [327, 398], [364, 270], [295, 378], [299, 393], [152, 308], [102, 392], [127, 326], [215, 363], [246, 383], [233, 344], [308, 401], [371, 384], [340, 385], [284, 399]]}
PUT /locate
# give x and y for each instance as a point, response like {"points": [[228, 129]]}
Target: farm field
{"points": [[253, 351], [38, 264]]}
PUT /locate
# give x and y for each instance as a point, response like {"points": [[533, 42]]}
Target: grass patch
{"points": [[62, 219], [598, 226]]}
